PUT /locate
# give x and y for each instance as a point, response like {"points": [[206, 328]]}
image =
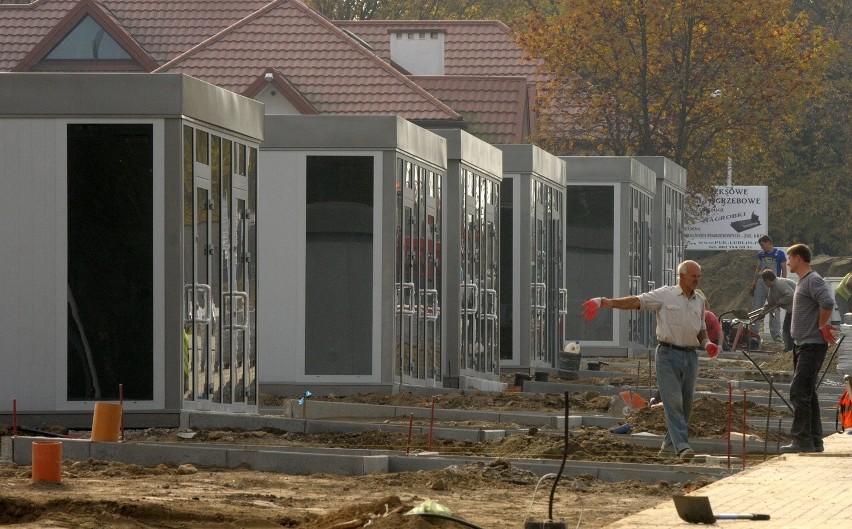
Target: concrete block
{"points": [[207, 420], [320, 409], [419, 413], [298, 463], [467, 415], [6, 450], [72, 449], [153, 455], [491, 435]]}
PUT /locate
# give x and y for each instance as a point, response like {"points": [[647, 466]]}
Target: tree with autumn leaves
{"points": [[693, 80], [701, 82]]}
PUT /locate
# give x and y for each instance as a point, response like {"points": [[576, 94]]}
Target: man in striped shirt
{"points": [[812, 331]]}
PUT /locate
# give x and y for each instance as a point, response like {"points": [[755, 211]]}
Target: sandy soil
{"points": [[97, 494], [489, 494]]}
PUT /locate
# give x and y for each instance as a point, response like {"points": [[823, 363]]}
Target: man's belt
{"points": [[677, 347]]}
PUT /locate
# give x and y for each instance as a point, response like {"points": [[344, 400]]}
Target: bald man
{"points": [[681, 331]]}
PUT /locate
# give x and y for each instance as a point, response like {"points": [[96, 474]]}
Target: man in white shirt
{"points": [[680, 331]]}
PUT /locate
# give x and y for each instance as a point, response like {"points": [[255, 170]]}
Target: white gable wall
{"points": [[33, 262]]}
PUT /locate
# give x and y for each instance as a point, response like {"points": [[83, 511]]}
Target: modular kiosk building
{"points": [[532, 258], [471, 245], [668, 242], [351, 270], [608, 244], [128, 240]]}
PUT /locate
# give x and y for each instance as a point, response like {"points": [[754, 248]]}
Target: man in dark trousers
{"points": [[780, 295], [812, 332], [768, 258], [680, 331]]}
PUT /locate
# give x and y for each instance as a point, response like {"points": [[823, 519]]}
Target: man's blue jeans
{"points": [[807, 423], [677, 373]]}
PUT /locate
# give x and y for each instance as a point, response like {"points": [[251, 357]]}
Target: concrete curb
{"points": [[292, 460]]}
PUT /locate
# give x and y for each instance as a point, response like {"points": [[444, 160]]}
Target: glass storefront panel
{"points": [[589, 241], [110, 261]]}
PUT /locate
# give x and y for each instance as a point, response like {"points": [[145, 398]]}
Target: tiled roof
{"points": [[163, 28], [331, 69], [494, 107], [471, 47]]}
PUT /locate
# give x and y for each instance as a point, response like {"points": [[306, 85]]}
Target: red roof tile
{"points": [[330, 68], [495, 108], [163, 28], [231, 43], [471, 47]]}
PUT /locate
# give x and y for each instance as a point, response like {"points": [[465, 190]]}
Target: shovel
{"points": [[696, 509]]}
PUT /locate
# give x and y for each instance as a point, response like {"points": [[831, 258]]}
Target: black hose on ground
{"points": [[448, 517], [564, 457]]}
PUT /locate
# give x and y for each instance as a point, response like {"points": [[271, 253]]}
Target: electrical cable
{"points": [[564, 457], [532, 500]]}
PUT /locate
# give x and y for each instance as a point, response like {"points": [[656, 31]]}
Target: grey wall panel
{"points": [[526, 158], [601, 169], [384, 292], [354, 132], [128, 95], [32, 313], [479, 155], [173, 221], [281, 272]]}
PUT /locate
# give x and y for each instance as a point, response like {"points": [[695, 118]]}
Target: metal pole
{"points": [[745, 407], [410, 425], [768, 413], [431, 424], [730, 412]]}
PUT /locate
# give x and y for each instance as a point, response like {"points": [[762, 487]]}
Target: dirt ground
{"points": [[490, 494], [97, 494]]}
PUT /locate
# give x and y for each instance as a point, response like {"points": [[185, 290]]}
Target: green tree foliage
{"points": [[692, 80]]}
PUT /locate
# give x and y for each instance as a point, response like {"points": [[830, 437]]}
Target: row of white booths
{"points": [[166, 243]]}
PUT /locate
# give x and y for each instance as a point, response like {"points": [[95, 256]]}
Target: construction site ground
{"points": [[488, 483], [493, 479]]}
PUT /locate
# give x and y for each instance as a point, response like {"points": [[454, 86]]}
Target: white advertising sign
{"points": [[738, 216]]}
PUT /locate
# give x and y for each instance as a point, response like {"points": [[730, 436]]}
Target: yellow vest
{"points": [[844, 289]]}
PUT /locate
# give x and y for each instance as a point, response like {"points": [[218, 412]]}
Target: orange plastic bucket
{"points": [[106, 423], [47, 462]]}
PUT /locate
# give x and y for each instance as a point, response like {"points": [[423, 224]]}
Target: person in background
{"points": [[768, 258], [680, 332], [843, 295], [780, 295], [812, 331], [711, 321]]}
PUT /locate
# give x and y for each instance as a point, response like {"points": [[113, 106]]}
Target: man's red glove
{"points": [[712, 350], [590, 308], [829, 333]]}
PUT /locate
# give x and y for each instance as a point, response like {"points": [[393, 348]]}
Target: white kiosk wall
{"points": [[92, 197], [471, 246], [532, 265], [351, 272], [609, 193], [668, 242]]}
